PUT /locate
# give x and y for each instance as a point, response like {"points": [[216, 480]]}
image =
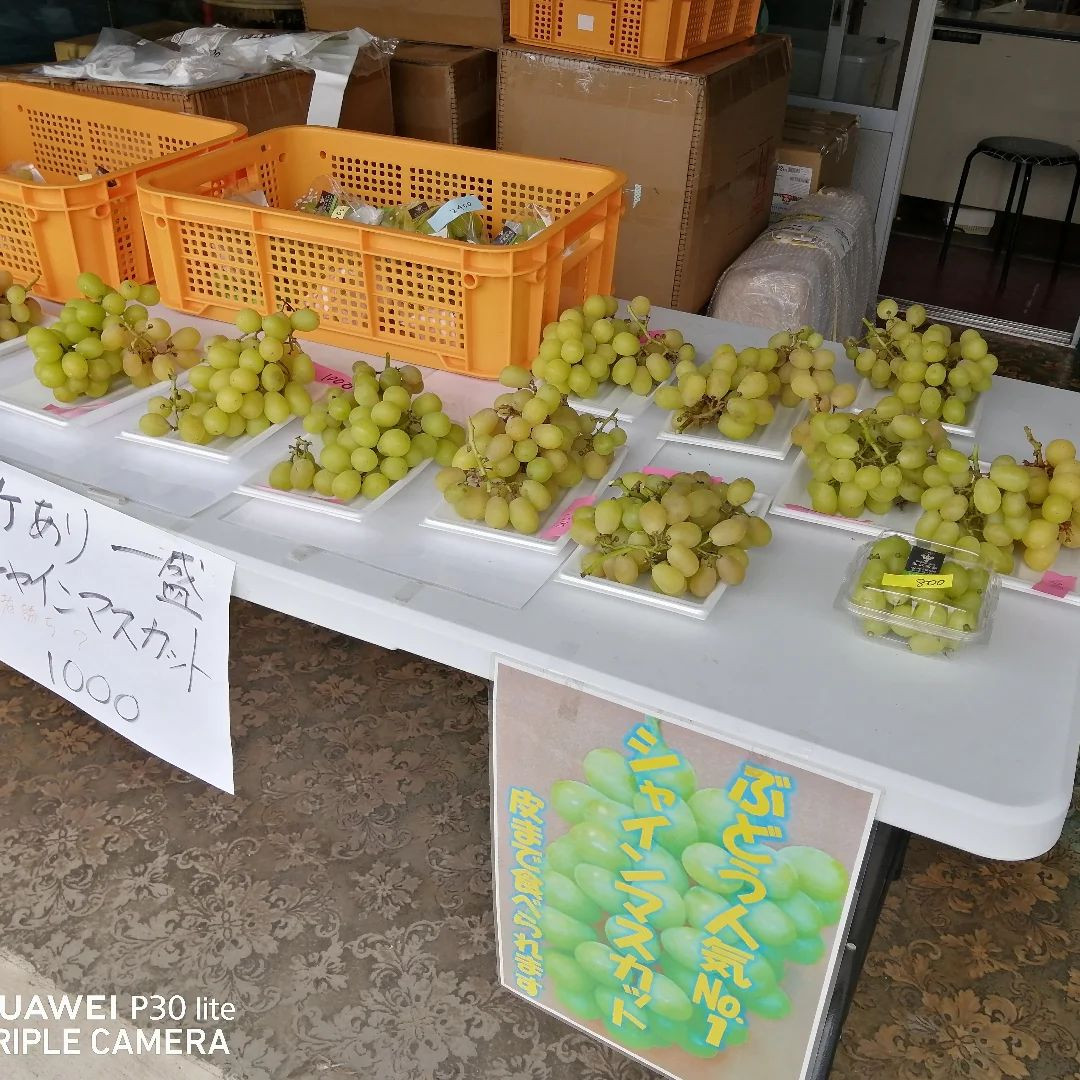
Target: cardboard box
{"points": [[817, 150], [444, 93], [77, 47], [484, 24], [697, 141], [259, 103]]}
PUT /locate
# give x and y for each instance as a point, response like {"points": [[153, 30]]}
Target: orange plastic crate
{"points": [[645, 31], [443, 303], [55, 230]]}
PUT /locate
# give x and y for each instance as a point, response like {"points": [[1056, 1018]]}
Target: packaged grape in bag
{"points": [[516, 231], [328, 198]]}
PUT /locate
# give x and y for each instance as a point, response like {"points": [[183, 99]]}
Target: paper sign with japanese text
{"points": [[129, 623], [672, 893]]}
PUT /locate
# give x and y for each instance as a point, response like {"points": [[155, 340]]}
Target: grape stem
{"points": [[300, 449], [871, 442], [1039, 462]]}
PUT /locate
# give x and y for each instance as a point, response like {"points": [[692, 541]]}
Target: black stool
{"points": [[1024, 154]]}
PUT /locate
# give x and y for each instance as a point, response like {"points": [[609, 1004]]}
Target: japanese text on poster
{"points": [[127, 622]]}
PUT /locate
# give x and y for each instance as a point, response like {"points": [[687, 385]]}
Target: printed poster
{"points": [[669, 892]]}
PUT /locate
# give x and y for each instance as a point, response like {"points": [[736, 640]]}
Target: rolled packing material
{"points": [[814, 267]]}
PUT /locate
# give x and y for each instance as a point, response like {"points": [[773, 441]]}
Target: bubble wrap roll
{"points": [[814, 267]]}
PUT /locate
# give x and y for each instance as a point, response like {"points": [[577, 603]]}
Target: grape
{"points": [[914, 615], [523, 452], [658, 524], [154, 424], [588, 347], [358, 456], [305, 320], [375, 484], [926, 375], [94, 344]]}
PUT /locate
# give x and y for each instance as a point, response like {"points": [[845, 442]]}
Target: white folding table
{"points": [[977, 751]]}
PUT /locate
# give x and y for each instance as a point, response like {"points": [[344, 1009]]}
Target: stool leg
{"points": [[1005, 217], [956, 205], [1066, 223], [1014, 232]]}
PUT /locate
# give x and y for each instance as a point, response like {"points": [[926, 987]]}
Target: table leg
{"points": [[881, 867]]}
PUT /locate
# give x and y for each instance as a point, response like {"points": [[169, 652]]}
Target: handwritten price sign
{"points": [[127, 622]]}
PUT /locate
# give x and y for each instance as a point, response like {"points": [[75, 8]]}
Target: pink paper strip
{"points": [[75, 410], [565, 519], [1059, 585], [329, 377]]}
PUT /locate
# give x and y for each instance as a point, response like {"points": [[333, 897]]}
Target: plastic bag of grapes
{"points": [[929, 598]]}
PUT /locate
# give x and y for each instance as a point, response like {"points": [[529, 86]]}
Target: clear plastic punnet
{"points": [[931, 599]]}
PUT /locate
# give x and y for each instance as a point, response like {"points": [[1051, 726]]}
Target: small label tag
{"points": [[340, 211], [329, 377], [86, 176], [418, 210], [924, 561], [562, 524], [586, 22], [1054, 584], [917, 581], [508, 233], [451, 211]]}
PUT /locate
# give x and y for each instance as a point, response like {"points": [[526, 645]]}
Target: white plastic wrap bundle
{"points": [[814, 267]]}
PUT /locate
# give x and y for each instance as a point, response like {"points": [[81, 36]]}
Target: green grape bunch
{"points": [[106, 336], [297, 472], [243, 385], [737, 392], [805, 371], [928, 374], [867, 461], [1030, 509], [1053, 495], [974, 511], [589, 347], [689, 533], [929, 621], [804, 894], [523, 452], [19, 311], [372, 436]]}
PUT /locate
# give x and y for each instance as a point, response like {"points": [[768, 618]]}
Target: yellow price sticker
{"points": [[918, 581]]}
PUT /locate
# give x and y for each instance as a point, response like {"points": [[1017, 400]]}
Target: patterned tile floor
{"points": [[342, 899]]}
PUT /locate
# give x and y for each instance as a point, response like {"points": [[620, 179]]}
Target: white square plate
{"points": [[771, 441], [554, 532], [611, 398], [868, 397], [257, 487], [12, 346], [643, 591], [228, 451], [29, 398], [1061, 582]]}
